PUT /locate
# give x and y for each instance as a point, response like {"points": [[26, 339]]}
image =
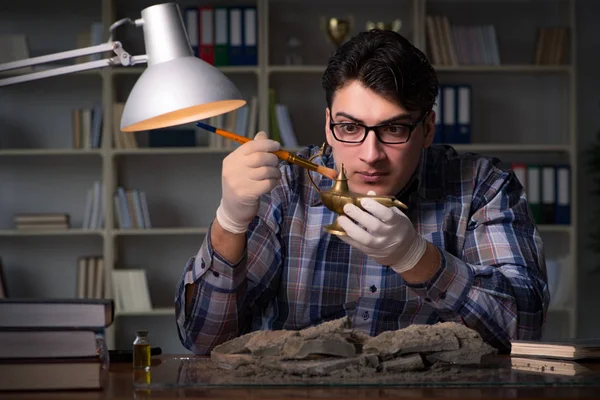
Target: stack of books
{"points": [[53, 344], [40, 221], [554, 357]]}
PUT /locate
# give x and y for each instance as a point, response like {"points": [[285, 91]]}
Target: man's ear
{"points": [[429, 129], [327, 131]]}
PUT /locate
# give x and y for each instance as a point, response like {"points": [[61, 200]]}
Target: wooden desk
{"points": [[119, 385]]}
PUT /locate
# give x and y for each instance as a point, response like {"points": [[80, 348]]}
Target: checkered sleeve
{"points": [[498, 286], [226, 295]]}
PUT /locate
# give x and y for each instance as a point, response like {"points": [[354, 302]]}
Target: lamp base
{"points": [[335, 228]]}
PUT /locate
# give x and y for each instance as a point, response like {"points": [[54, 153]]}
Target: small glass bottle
{"points": [[141, 351]]}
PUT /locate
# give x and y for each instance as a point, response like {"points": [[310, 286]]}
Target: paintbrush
{"points": [[282, 154]]}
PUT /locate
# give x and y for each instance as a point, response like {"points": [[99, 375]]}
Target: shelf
{"points": [[51, 232], [154, 312], [226, 70], [169, 150], [527, 69], [560, 310], [555, 228], [521, 148], [161, 231], [49, 152], [302, 69], [43, 68]]}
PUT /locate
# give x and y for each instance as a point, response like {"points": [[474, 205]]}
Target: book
{"points": [[47, 344], [566, 349], [554, 367], [51, 374], [18, 313]]}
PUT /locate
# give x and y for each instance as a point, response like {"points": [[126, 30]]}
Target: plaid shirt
{"points": [[293, 275]]}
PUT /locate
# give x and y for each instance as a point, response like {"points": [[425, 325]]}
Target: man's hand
{"points": [[248, 172], [388, 235]]}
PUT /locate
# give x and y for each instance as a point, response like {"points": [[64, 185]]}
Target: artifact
{"points": [[337, 29], [337, 197], [395, 25]]}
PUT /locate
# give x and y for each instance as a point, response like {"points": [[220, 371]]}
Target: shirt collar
{"points": [[428, 179]]}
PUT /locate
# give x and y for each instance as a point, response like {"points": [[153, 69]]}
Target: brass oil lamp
{"points": [[339, 195]]}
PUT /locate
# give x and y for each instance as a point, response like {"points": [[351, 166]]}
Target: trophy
{"points": [[337, 29], [395, 25]]}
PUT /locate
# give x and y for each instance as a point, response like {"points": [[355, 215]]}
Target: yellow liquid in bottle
{"points": [[141, 356]]}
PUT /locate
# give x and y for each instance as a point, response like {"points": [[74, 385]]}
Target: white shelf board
{"points": [[51, 232], [554, 228], [41, 68], [169, 150], [161, 231], [226, 70], [49, 152], [524, 68], [560, 310], [522, 148], [302, 69], [154, 312], [517, 69]]}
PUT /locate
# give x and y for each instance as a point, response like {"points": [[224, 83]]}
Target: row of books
{"points": [[87, 127], [3, 289], [130, 290], [90, 278], [53, 343], [121, 140], [94, 35], [131, 209], [453, 114], [552, 45], [461, 45], [41, 221], [223, 35], [93, 216], [280, 123], [548, 190]]}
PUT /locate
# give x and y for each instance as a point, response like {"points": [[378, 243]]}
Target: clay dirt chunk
{"points": [[412, 339], [269, 343], [472, 347], [334, 347], [410, 362]]}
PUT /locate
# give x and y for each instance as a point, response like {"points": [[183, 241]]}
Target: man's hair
{"points": [[387, 63]]}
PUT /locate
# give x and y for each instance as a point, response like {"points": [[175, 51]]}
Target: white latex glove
{"points": [[388, 235], [249, 171]]}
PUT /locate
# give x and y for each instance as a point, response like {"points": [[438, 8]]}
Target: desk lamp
{"points": [[176, 87]]}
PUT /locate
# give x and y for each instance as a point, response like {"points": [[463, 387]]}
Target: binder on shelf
{"points": [[520, 171], [250, 33], [206, 41], [463, 103], [449, 114], [563, 195], [534, 192], [221, 36], [190, 17], [438, 106], [236, 54], [548, 195]]}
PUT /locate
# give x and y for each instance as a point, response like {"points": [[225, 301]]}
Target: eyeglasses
{"points": [[353, 132]]}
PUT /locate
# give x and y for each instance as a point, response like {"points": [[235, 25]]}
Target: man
{"points": [[466, 250]]}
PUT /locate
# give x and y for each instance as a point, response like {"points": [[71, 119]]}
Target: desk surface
{"points": [[119, 385]]}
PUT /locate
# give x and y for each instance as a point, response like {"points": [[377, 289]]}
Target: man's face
{"points": [[372, 165]]}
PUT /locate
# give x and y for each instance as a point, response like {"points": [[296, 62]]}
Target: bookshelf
{"points": [[183, 184]]}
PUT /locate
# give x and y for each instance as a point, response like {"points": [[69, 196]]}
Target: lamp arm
{"points": [[121, 58]]}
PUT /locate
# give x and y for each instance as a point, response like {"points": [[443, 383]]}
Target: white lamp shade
{"points": [[176, 92], [177, 87]]}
